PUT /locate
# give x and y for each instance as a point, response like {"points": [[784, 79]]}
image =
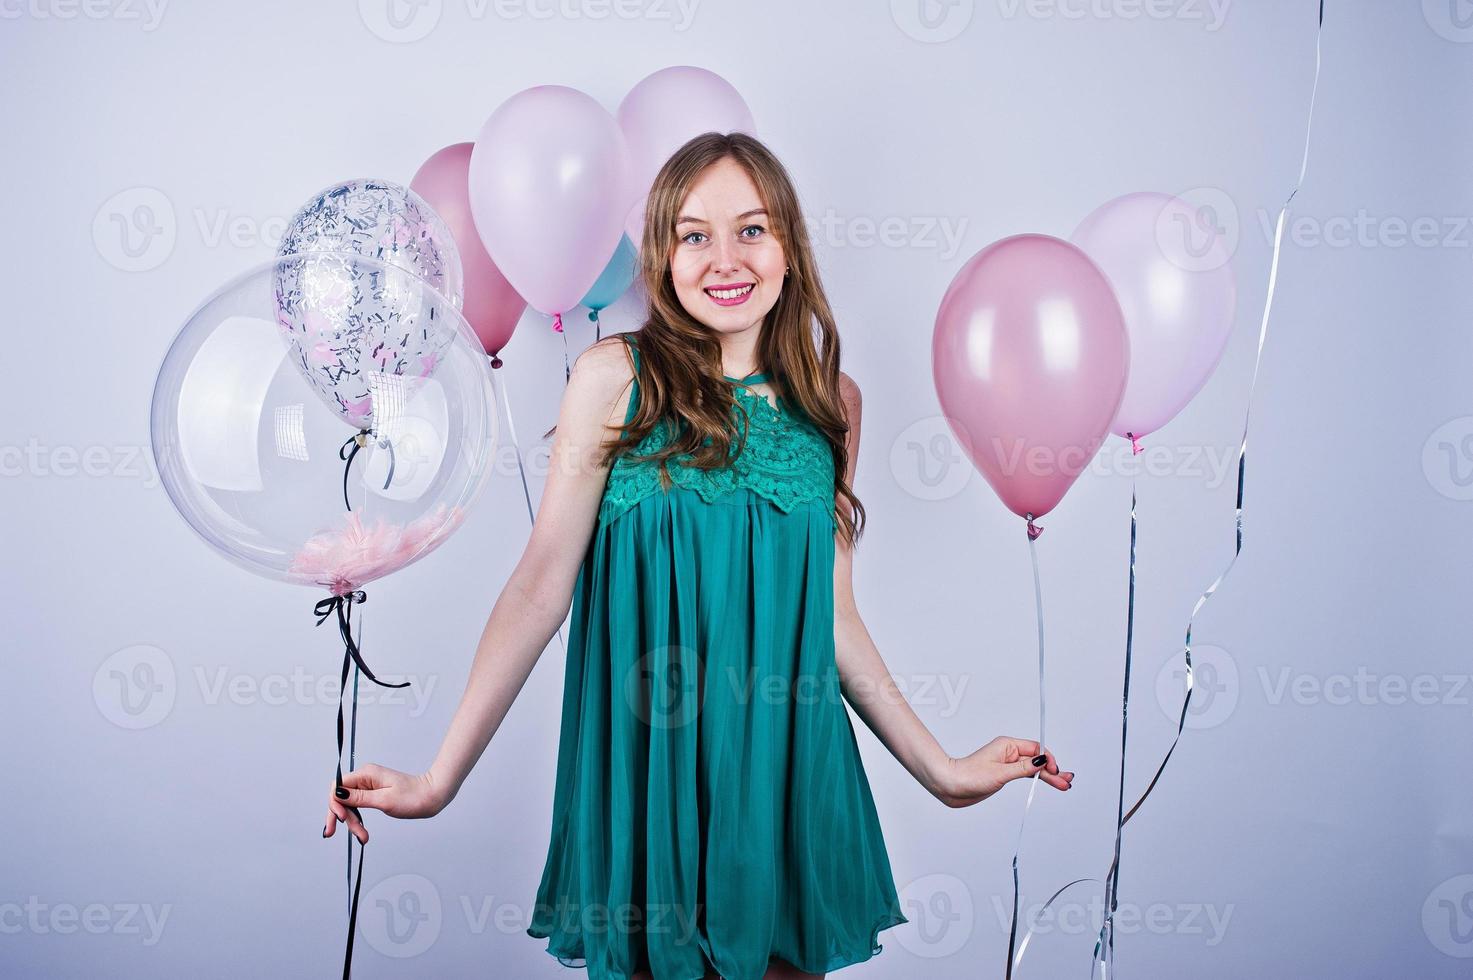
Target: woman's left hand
{"points": [[974, 778]]}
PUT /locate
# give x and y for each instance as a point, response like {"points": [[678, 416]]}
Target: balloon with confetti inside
{"points": [[343, 322]]}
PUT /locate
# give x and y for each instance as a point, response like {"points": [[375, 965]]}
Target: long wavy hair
{"points": [[680, 371]]}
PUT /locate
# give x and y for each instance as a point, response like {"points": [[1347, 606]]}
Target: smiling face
{"points": [[727, 265]]}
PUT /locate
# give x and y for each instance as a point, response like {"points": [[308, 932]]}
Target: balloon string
{"points": [[1033, 533], [353, 758], [343, 606], [1038, 608], [1104, 953], [1273, 279], [353, 912], [1023, 946], [567, 364], [357, 441], [597, 326], [1247, 413], [511, 428]]}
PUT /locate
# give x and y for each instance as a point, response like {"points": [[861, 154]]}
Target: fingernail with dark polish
{"points": [[1039, 760], [342, 794], [324, 831]]}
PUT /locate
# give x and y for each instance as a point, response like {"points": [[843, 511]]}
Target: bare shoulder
{"points": [[849, 392], [605, 362], [600, 381], [849, 395]]}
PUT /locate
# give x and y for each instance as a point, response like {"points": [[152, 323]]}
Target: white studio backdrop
{"points": [[168, 718]]}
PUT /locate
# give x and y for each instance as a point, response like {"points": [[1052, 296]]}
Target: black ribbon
{"points": [[343, 606], [358, 440]]}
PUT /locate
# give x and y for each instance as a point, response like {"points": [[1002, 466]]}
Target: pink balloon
{"points": [[1170, 267], [549, 190], [665, 111], [1030, 358], [491, 306]]}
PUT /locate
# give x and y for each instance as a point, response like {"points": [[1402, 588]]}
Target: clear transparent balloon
{"points": [[253, 455]]}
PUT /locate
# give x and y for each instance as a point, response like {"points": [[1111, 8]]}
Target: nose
{"points": [[724, 259]]}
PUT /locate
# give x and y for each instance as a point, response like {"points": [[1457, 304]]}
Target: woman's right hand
{"points": [[399, 794]]}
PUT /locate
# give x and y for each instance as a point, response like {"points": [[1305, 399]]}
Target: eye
{"points": [[688, 235], [757, 228]]}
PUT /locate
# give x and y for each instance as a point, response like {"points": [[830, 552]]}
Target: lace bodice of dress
{"points": [[785, 460]]}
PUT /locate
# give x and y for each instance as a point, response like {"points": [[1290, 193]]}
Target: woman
{"points": [[711, 816]]}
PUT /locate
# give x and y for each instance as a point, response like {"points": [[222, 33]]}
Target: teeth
{"points": [[729, 293]]}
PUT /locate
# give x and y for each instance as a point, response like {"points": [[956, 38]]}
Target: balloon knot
{"points": [[557, 322], [1033, 529], [1135, 444], [495, 361]]}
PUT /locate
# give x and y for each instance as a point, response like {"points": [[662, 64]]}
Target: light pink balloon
{"points": [[664, 112], [549, 190], [1030, 358], [1170, 266], [491, 306]]}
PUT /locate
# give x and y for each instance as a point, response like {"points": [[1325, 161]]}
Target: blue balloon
{"points": [[615, 278]]}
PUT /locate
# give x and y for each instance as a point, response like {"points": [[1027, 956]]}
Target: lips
{"points": [[729, 291], [730, 294]]}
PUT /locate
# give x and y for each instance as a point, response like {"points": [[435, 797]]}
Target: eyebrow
{"points": [[686, 219]]}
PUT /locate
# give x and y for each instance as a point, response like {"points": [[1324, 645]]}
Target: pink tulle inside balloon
{"points": [[346, 558]]}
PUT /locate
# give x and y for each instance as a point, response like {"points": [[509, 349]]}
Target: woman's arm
{"points": [[868, 686], [531, 606]]}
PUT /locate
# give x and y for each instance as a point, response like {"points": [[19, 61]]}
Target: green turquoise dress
{"points": [[711, 810]]}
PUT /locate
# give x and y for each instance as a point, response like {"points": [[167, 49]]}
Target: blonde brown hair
{"points": [[679, 369]]}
